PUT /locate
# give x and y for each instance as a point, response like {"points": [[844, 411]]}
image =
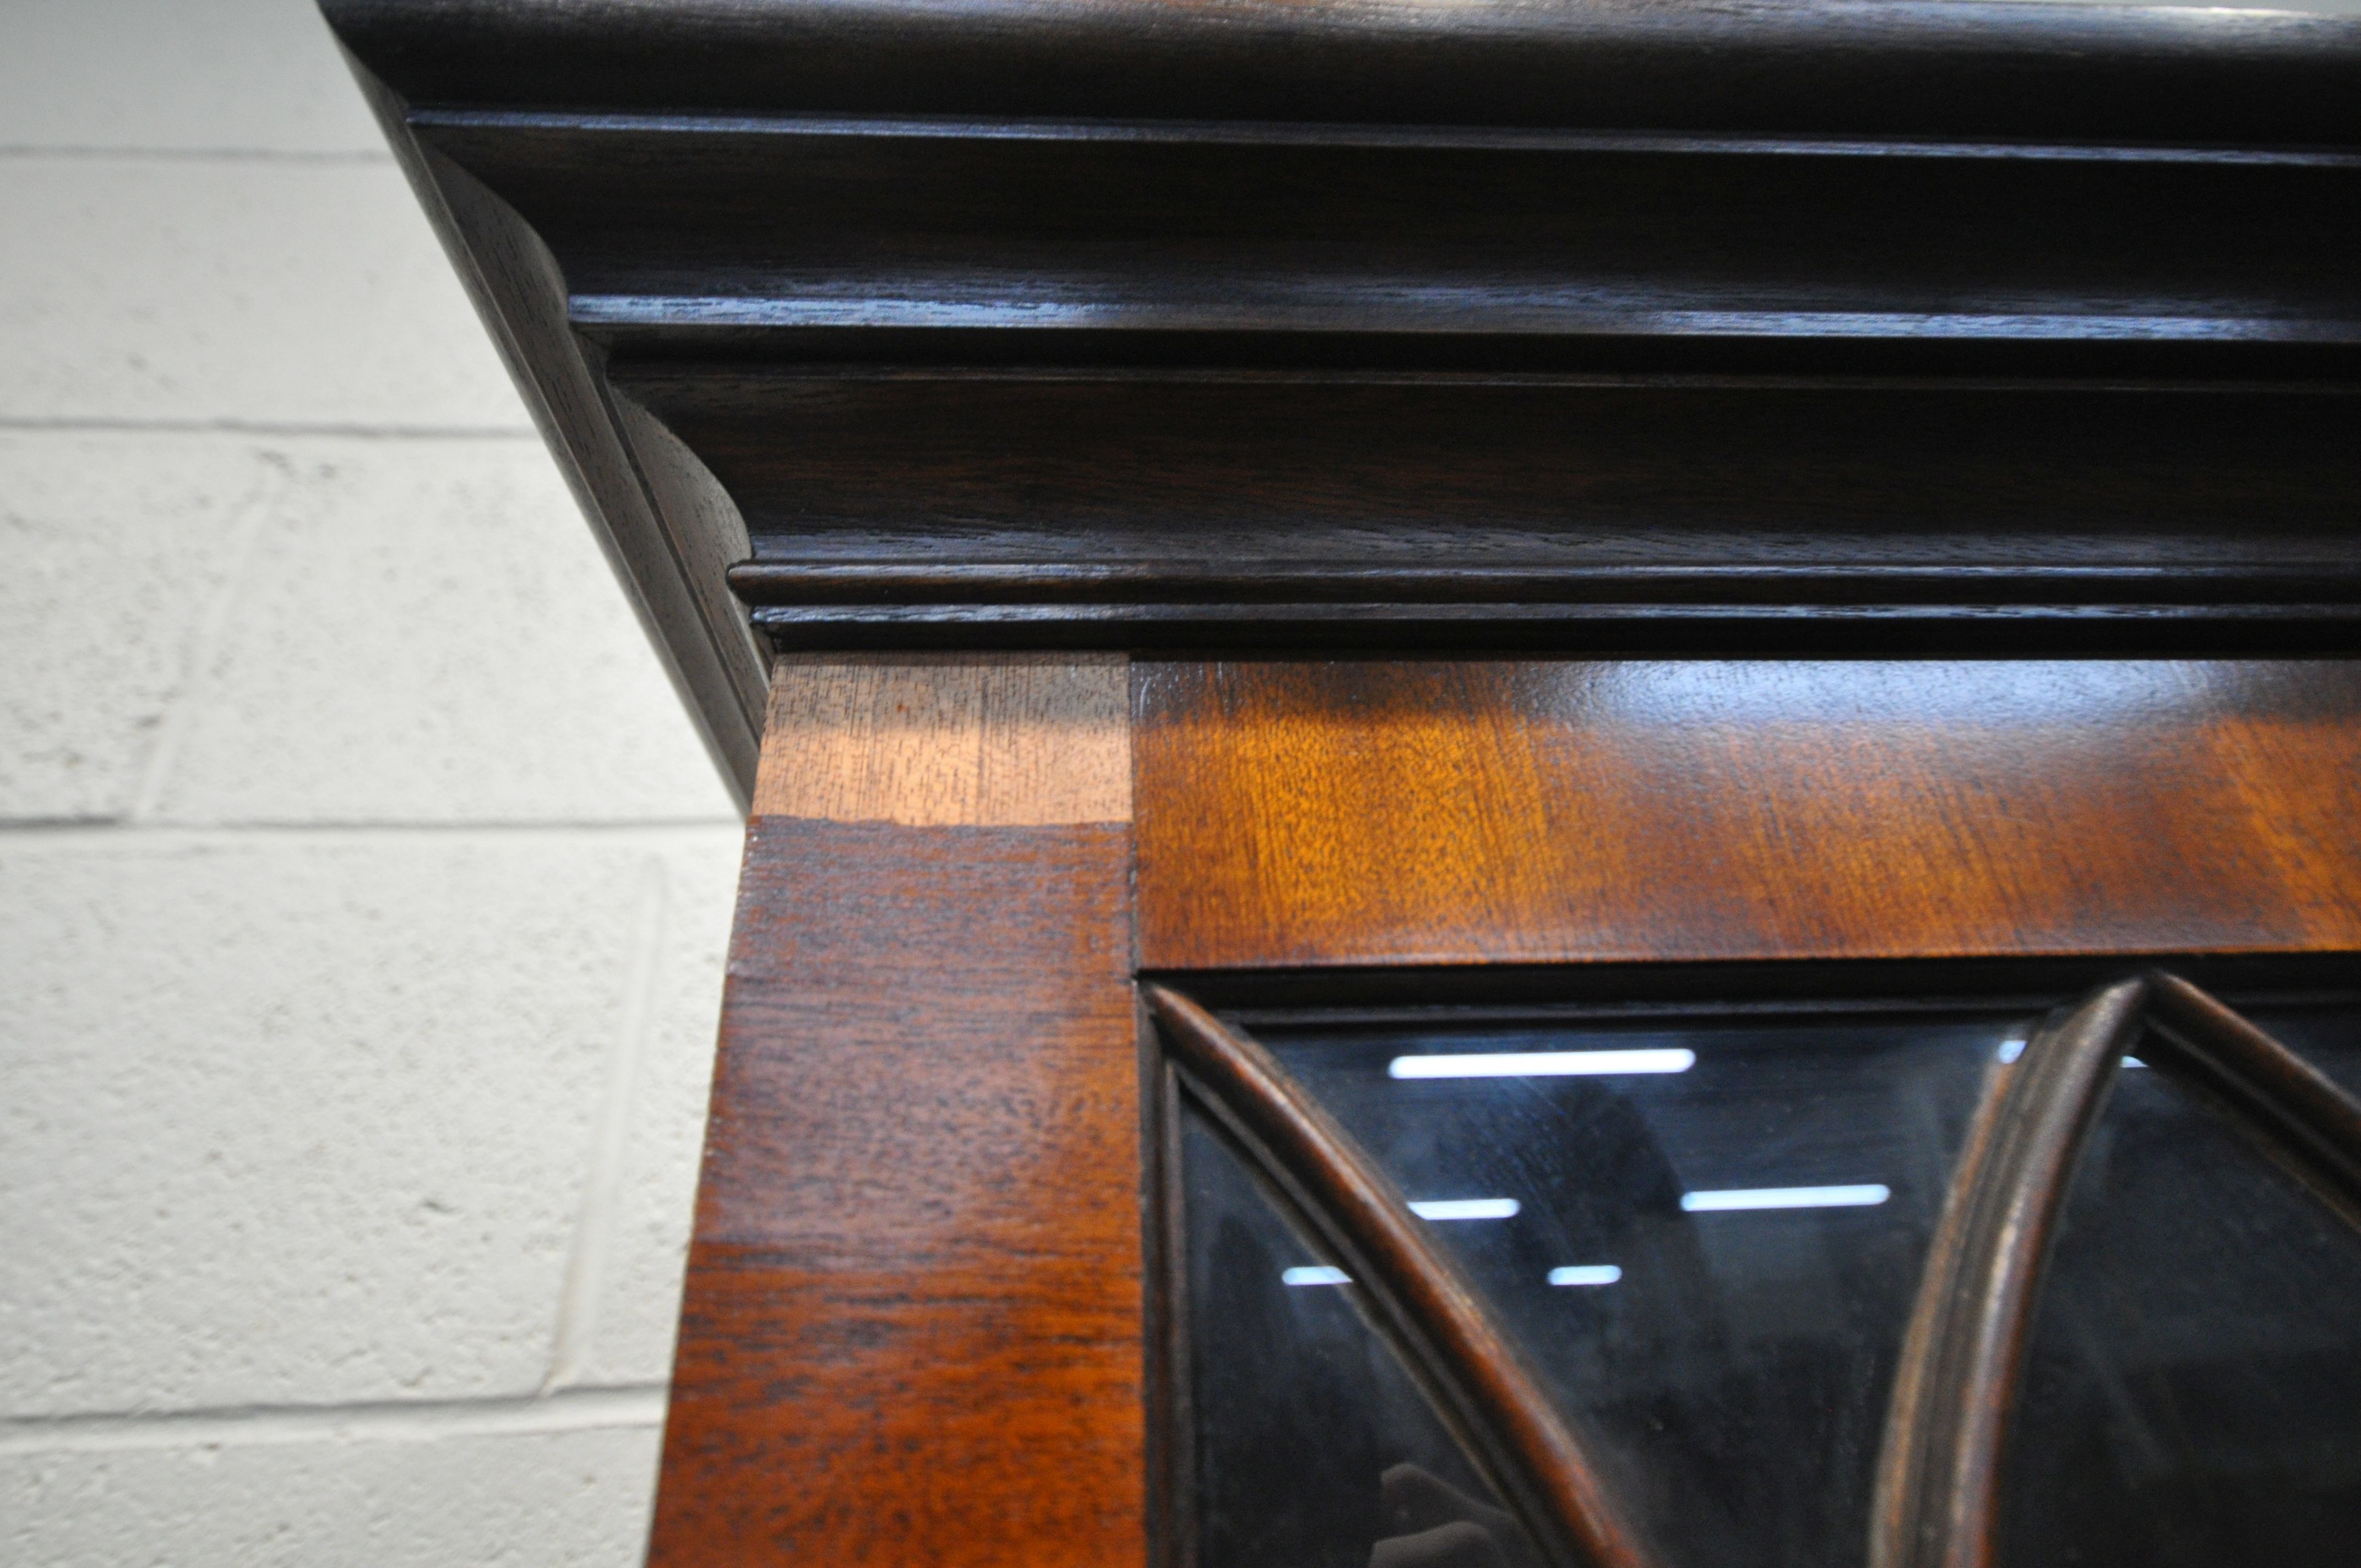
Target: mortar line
{"points": [[272, 429], [427, 1420], [116, 832], [594, 1230], [86, 153]]}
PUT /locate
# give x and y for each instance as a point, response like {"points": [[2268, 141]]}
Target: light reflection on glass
{"points": [[2012, 1049], [1862, 1195], [1465, 1208], [1541, 1064], [1732, 1364]]}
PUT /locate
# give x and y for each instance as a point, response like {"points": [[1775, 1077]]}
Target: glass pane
{"points": [[2193, 1394], [1716, 1235], [1315, 1448], [1707, 1237]]}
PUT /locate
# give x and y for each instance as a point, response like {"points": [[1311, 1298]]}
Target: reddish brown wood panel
{"points": [[912, 1332], [1332, 813]]}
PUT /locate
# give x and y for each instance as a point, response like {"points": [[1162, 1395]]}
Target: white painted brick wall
{"points": [[363, 889]]}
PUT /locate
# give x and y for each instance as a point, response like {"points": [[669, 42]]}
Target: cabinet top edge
{"points": [[2000, 68]]}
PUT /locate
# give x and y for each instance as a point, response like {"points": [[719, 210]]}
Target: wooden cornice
{"points": [[1891, 67], [1265, 323]]}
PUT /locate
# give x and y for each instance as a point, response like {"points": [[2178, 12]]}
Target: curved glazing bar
{"points": [[1518, 1436], [1935, 1501], [1938, 1486], [2307, 1126]]}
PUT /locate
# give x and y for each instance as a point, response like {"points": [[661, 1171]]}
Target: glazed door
{"points": [[1677, 1113], [1488, 722]]}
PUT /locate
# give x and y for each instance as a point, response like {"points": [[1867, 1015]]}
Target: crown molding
{"points": [[1261, 324]]}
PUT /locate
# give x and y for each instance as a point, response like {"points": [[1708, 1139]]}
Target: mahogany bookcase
{"points": [[1213, 537]]}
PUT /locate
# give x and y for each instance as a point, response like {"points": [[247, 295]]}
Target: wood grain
{"points": [[951, 741], [1341, 813], [913, 1330]]}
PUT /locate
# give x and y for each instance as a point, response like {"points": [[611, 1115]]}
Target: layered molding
{"points": [[1592, 327], [2151, 72]]}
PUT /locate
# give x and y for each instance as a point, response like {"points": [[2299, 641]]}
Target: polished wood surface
{"points": [[1310, 814], [1447, 507], [913, 1328], [1903, 67], [950, 741], [1625, 328]]}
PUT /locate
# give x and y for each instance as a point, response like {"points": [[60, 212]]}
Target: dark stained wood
{"points": [[1753, 489], [1757, 65], [1161, 245], [1315, 814], [912, 1332], [1630, 516], [1510, 1426], [1607, 326]]}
